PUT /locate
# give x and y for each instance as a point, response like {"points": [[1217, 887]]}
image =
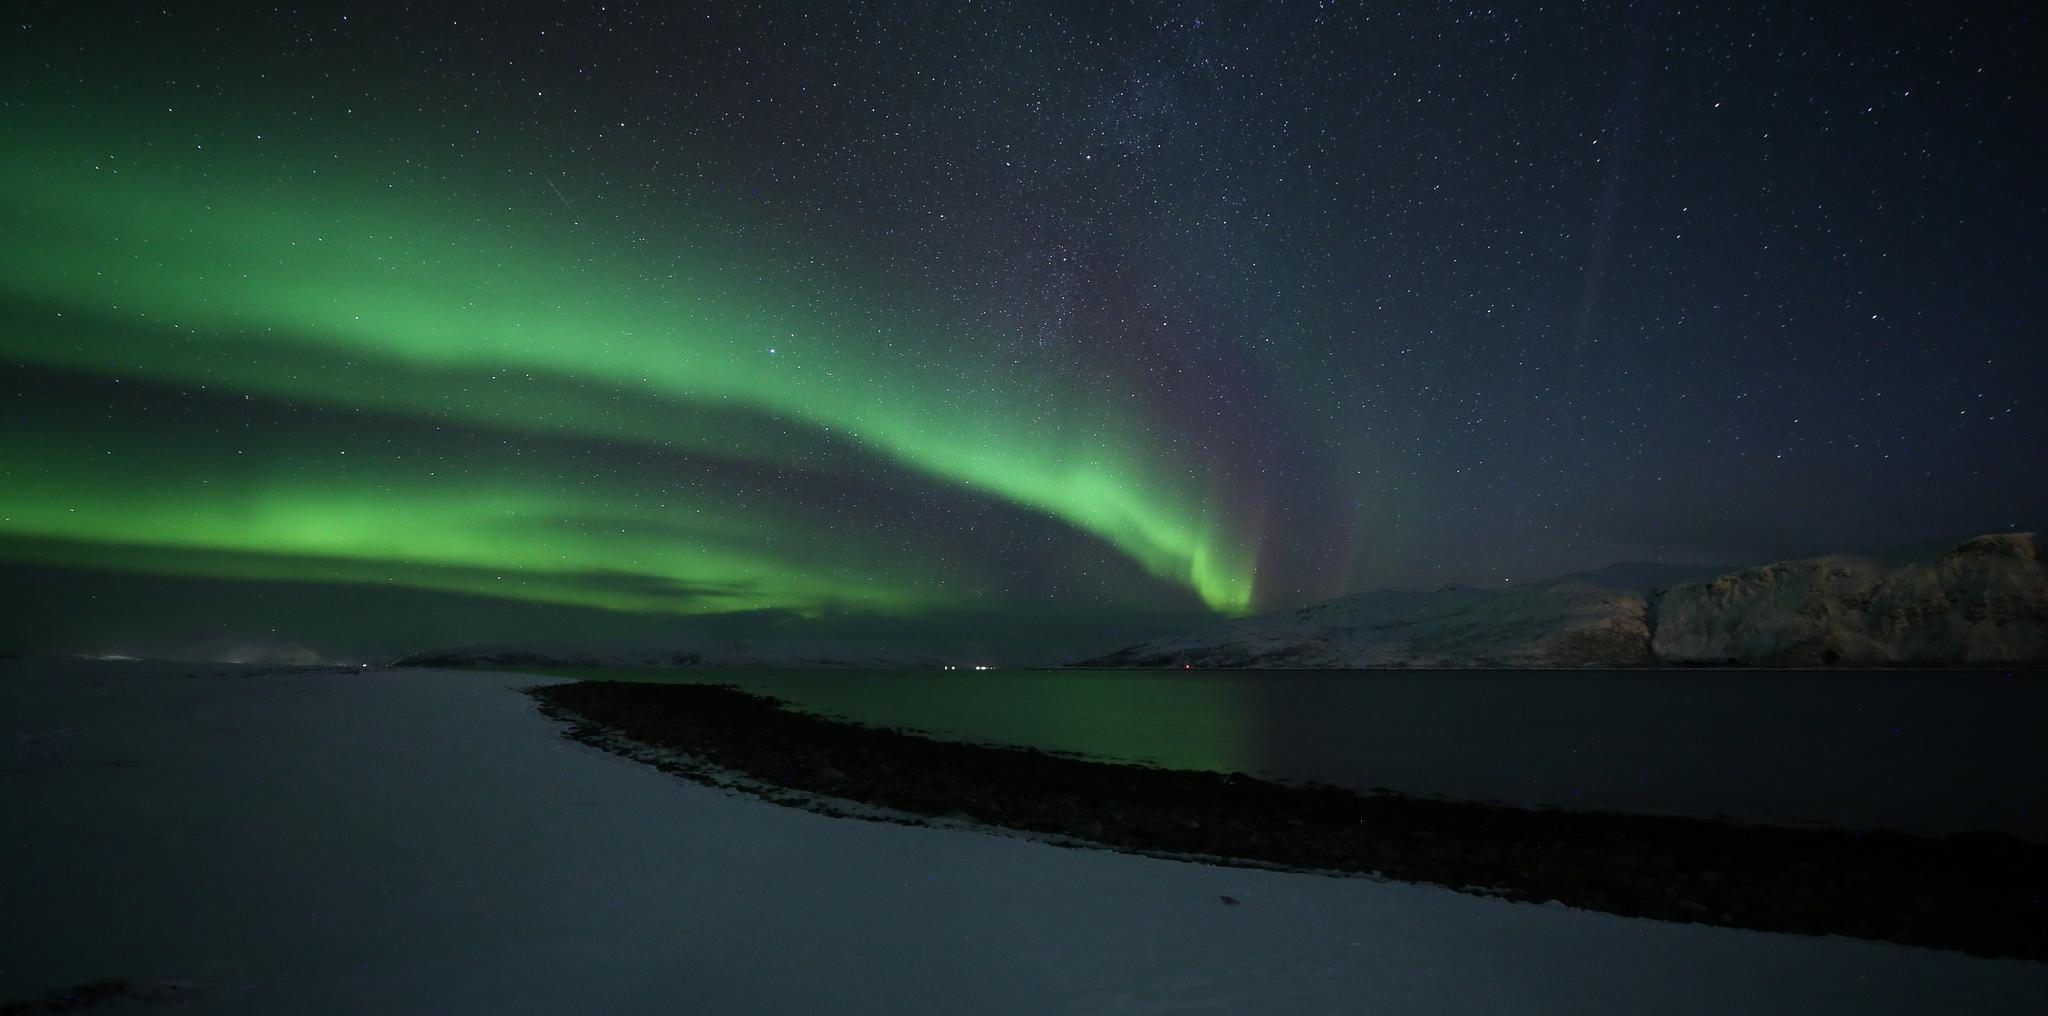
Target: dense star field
{"points": [[899, 311]]}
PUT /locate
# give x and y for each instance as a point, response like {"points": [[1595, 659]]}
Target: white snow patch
{"points": [[428, 842]]}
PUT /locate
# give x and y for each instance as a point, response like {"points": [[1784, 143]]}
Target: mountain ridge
{"points": [[1982, 602]]}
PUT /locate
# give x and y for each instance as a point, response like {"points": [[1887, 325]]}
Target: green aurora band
{"points": [[314, 280]]}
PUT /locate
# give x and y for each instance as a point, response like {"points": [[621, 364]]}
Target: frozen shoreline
{"points": [[421, 842], [1965, 892]]}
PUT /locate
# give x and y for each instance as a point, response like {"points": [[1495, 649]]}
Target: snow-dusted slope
{"points": [[1985, 601], [1592, 619], [791, 654], [421, 842]]}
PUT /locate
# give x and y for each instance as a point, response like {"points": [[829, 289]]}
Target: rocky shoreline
{"points": [[1978, 893]]}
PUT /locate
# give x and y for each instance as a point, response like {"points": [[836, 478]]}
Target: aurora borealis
{"points": [[347, 300], [1112, 310]]}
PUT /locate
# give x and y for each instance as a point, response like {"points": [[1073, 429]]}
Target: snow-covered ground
{"points": [[426, 842]]}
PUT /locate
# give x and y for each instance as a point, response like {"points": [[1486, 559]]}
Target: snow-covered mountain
{"points": [[789, 654], [1590, 619], [1985, 601], [1982, 602]]}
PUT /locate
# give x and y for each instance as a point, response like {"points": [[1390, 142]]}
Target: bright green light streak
{"points": [[334, 270], [490, 527]]}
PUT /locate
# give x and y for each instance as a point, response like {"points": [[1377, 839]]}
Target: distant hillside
{"points": [[1983, 602]]}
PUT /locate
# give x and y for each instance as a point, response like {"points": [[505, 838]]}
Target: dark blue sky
{"points": [[1392, 294]]}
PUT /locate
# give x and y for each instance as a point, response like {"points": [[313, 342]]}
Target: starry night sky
{"points": [[370, 327]]}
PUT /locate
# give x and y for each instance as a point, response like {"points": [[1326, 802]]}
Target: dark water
{"points": [[1922, 751]]}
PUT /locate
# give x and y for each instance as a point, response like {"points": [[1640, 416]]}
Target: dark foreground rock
{"points": [[1979, 893]]}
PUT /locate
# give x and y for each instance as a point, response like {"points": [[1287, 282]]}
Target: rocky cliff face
{"points": [[1983, 602]]}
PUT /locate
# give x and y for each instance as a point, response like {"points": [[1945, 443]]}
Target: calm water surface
{"points": [[1919, 750]]}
